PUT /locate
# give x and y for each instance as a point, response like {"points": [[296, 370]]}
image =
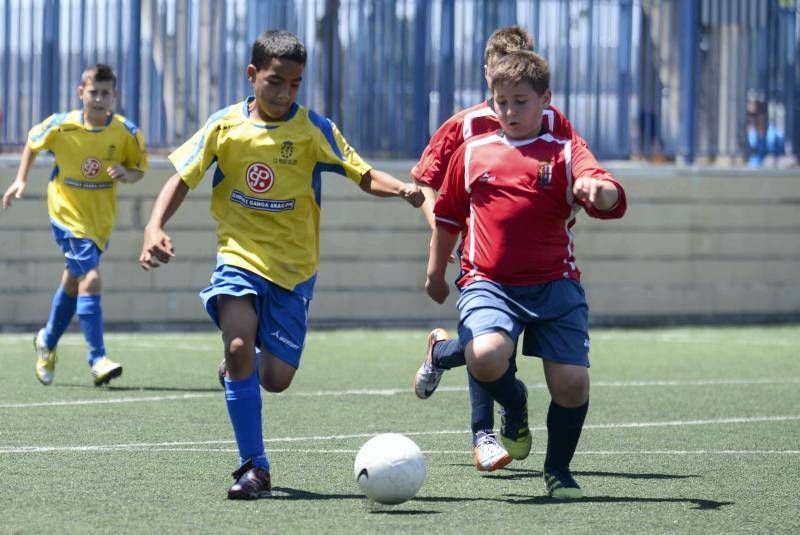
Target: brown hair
{"points": [[522, 66], [504, 40], [99, 72]]}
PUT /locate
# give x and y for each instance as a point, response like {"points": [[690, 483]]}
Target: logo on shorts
{"points": [[284, 340], [586, 343], [545, 174], [260, 177], [91, 167]]}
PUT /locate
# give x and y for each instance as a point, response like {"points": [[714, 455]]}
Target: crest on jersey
{"points": [[545, 174], [260, 177], [287, 149], [91, 167]]}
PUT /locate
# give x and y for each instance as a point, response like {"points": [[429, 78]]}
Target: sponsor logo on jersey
{"points": [[486, 177], [82, 184], [91, 167], [260, 177], [264, 205], [545, 174]]}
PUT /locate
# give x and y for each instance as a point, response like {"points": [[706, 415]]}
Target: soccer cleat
{"points": [[515, 433], [561, 485], [252, 483], [487, 454], [222, 369], [105, 369], [428, 376], [45, 359]]}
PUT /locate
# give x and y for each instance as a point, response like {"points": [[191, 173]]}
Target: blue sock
{"points": [[244, 408], [448, 354], [91, 315], [482, 407], [508, 391], [61, 311]]}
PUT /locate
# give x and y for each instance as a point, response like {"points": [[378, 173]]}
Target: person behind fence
{"points": [[514, 195], [765, 140], [269, 153], [442, 352], [95, 150]]}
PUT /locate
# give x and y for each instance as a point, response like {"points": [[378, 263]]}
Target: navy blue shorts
{"points": [[282, 314], [554, 317], [81, 255]]}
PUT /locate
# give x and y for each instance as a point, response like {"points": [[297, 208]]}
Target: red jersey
{"points": [[512, 201], [479, 119]]}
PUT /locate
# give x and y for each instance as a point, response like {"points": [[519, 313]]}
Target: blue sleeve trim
{"points": [[132, 128], [58, 118], [326, 126], [202, 140], [219, 176], [54, 173], [316, 178]]}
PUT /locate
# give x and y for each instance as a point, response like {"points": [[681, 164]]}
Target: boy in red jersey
{"points": [[514, 195], [444, 354]]}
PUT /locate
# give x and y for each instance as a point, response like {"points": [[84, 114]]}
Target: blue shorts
{"points": [[81, 255], [554, 316], [282, 314]]}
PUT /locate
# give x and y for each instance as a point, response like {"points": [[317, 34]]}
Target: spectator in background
{"points": [[766, 141]]}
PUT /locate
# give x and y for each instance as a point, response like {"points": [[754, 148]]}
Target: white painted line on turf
{"points": [[169, 446], [404, 391]]}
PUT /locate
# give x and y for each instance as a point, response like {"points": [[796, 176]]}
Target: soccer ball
{"points": [[390, 468]]}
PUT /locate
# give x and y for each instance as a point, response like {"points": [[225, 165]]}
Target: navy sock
{"points": [[61, 311], [91, 315], [482, 407], [564, 428], [508, 391], [243, 399], [448, 354]]}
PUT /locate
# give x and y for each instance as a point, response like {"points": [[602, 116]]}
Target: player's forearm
{"points": [[607, 196], [442, 244], [381, 184], [133, 176], [430, 201], [169, 199], [25, 164]]}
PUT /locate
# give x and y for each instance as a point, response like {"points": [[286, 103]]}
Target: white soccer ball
{"points": [[390, 468]]}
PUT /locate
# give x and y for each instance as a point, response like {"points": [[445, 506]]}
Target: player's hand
{"points": [[437, 289], [586, 189], [118, 173], [15, 191], [157, 248], [413, 195]]}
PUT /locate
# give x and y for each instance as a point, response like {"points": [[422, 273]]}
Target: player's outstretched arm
{"points": [[427, 206], [17, 188], [382, 184], [599, 193], [157, 246], [442, 244], [120, 173]]}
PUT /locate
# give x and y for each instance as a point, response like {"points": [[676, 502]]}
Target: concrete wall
{"points": [[696, 245]]}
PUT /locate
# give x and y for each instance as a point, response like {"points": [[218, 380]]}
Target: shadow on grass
{"points": [[113, 388], [510, 474], [288, 493], [699, 503]]}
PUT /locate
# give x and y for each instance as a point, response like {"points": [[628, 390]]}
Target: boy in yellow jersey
{"points": [[270, 154], [94, 150]]}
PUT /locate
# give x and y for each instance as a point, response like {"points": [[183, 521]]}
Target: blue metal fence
{"points": [[690, 79]]}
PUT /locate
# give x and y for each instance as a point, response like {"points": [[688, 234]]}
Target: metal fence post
{"points": [[689, 40], [133, 63], [446, 75], [624, 91], [48, 98], [421, 77]]}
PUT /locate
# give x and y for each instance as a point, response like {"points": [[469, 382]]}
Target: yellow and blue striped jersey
{"points": [[266, 194], [81, 197]]}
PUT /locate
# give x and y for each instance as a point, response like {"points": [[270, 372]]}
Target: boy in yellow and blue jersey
{"points": [[270, 154], [94, 150]]}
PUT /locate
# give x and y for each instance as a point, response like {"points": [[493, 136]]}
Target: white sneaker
{"points": [[428, 376], [488, 455], [45, 359]]}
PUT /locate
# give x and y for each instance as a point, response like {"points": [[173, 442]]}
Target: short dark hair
{"points": [[504, 40], [522, 66], [99, 72], [277, 44]]}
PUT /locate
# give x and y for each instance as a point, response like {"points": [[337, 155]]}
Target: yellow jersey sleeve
{"points": [[135, 156], [193, 158], [334, 149], [40, 136]]}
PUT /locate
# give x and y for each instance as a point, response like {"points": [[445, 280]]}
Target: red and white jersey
{"points": [[512, 201], [474, 121]]}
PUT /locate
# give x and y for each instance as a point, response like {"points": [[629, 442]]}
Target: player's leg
{"points": [[62, 309], [239, 324], [561, 339], [487, 453]]}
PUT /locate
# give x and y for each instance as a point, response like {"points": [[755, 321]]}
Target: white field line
{"points": [[401, 391], [191, 445]]}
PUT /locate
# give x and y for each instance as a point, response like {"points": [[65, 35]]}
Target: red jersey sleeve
{"points": [[584, 164], [432, 165], [452, 206]]}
